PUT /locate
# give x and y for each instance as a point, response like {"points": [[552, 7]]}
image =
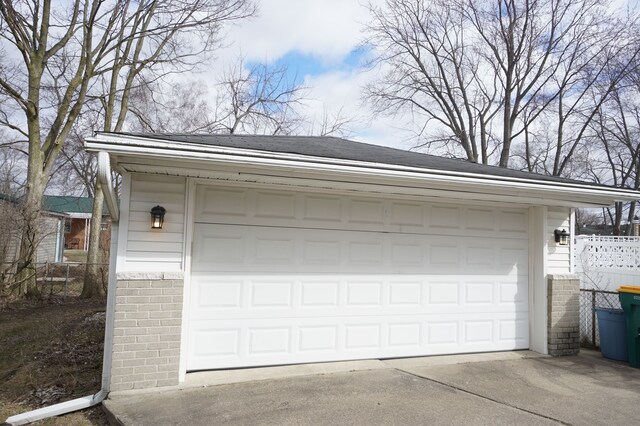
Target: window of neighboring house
{"points": [[67, 226], [104, 225]]}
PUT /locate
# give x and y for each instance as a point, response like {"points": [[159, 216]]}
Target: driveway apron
{"points": [[583, 389]]}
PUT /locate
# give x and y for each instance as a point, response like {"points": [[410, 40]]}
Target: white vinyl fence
{"points": [[606, 262]]}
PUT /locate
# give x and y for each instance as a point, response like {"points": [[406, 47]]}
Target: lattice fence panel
{"points": [[621, 253]]}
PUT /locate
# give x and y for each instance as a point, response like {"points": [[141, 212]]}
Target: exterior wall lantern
{"points": [[561, 236], [157, 217]]}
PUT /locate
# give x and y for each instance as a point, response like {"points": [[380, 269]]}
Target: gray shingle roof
{"points": [[343, 149]]}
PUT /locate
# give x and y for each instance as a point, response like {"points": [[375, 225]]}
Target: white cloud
{"points": [[342, 90], [326, 29]]}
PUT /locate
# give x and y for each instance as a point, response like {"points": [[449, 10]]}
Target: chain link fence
{"points": [[590, 300], [54, 279]]}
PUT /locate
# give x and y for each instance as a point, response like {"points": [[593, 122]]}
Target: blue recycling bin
{"points": [[612, 324]]}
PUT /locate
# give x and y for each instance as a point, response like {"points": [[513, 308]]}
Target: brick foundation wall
{"points": [[563, 314], [147, 327]]}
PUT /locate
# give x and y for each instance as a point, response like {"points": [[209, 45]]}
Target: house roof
{"points": [[343, 149], [69, 204], [45, 209], [335, 163]]}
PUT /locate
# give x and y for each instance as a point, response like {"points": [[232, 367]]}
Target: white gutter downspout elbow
{"points": [[104, 178], [58, 409]]}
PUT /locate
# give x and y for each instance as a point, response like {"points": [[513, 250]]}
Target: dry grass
{"points": [[90, 417], [51, 352]]}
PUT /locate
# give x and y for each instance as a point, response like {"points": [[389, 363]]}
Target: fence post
{"points": [[66, 283], [593, 318], [45, 278]]}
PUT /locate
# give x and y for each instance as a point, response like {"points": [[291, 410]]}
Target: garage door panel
{"points": [[267, 207], [240, 342], [481, 219], [513, 222], [322, 209], [260, 296], [269, 249]]}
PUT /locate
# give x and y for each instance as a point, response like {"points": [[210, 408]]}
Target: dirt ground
{"points": [[50, 352]]}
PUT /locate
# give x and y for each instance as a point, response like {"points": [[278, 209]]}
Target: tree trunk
{"points": [[506, 123], [630, 217], [93, 278], [618, 218], [31, 232]]}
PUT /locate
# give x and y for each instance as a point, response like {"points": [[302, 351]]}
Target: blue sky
{"points": [[319, 43], [301, 65]]}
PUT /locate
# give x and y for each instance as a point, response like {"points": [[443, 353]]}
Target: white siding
{"points": [[155, 249], [559, 257], [9, 234], [9, 249], [48, 240]]}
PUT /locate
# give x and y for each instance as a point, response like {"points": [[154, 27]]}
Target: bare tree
{"points": [[337, 123], [260, 98], [586, 218], [179, 107], [62, 48], [526, 43], [599, 66], [12, 169], [617, 161], [434, 71], [481, 75]]}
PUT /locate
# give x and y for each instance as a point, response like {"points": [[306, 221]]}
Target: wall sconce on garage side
{"points": [[561, 236], [157, 217]]}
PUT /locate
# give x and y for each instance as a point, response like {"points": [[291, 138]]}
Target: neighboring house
{"points": [[283, 250], [78, 224], [50, 244]]}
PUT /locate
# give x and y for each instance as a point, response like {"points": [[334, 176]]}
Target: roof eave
{"points": [[149, 147]]}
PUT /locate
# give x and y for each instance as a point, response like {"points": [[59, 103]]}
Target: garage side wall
{"points": [[149, 284], [147, 325], [154, 249], [563, 289], [559, 257]]}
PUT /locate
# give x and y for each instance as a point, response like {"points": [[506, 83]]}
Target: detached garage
{"points": [[281, 276], [268, 250]]}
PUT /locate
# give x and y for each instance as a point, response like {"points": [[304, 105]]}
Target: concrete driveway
{"points": [[503, 388]]}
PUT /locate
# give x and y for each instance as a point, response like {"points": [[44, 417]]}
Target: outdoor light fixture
{"points": [[157, 217], [562, 236]]}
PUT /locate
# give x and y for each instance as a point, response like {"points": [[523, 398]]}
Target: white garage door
{"points": [[283, 277]]}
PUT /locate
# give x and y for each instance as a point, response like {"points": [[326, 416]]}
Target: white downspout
{"points": [[104, 177]]}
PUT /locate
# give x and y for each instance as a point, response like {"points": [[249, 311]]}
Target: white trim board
{"points": [[375, 183], [146, 147], [190, 200]]}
